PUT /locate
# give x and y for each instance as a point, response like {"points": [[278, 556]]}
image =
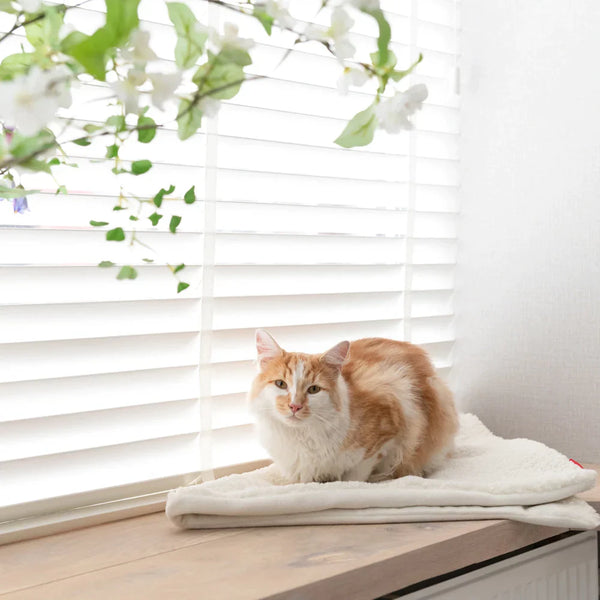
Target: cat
{"points": [[367, 410]]}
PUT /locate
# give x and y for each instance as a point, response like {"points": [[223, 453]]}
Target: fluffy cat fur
{"points": [[366, 410]]}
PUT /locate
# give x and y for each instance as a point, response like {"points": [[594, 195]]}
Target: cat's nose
{"points": [[295, 407]]}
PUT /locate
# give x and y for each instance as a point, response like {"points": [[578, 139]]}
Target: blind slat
{"points": [[72, 358], [96, 429], [97, 469], [108, 319], [77, 247], [270, 311], [48, 397], [27, 286]]}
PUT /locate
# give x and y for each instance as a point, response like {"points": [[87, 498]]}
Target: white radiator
{"points": [[563, 570]]}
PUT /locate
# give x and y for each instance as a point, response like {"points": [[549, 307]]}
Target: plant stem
{"points": [[8, 164], [35, 19]]}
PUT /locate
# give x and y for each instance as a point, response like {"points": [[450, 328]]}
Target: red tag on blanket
{"points": [[576, 463]]}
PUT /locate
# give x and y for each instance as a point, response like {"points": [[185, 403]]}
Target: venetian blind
{"points": [[112, 389]]}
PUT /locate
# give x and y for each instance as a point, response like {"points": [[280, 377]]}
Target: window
{"points": [[118, 389]]}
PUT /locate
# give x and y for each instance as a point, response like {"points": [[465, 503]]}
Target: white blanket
{"points": [[486, 477]]}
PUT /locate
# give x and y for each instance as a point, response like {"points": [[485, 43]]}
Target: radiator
{"points": [[563, 570]]}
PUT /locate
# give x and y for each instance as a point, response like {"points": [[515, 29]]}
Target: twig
{"points": [[18, 25], [6, 165]]}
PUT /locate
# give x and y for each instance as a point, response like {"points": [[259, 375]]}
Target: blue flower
{"points": [[20, 205]]}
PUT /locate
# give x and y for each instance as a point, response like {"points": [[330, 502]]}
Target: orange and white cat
{"points": [[371, 409]]}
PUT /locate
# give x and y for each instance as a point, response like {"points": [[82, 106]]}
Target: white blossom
{"points": [[364, 4], [29, 102], [341, 23], [318, 33], [230, 38], [30, 6], [139, 52], [209, 106], [393, 113], [351, 76], [163, 87], [211, 32], [127, 91], [278, 9]]}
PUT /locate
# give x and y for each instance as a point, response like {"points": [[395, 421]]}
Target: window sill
{"points": [[145, 557]]}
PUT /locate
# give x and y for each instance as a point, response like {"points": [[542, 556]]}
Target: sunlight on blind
{"points": [[108, 388]]}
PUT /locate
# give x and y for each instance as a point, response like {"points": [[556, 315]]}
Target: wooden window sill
{"points": [[145, 557]]}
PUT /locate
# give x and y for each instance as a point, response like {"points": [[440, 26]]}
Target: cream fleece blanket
{"points": [[486, 477]]}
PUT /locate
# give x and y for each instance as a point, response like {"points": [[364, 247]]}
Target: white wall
{"points": [[528, 299]]}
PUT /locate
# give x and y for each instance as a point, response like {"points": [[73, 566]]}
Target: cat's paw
{"points": [[325, 478]]}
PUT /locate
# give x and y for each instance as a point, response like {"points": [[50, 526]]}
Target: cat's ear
{"points": [[266, 347], [337, 355]]}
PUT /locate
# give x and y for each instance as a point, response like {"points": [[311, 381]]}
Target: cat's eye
{"points": [[313, 389], [280, 383]]}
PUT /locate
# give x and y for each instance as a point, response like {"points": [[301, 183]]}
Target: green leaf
{"points": [[230, 54], [73, 39], [44, 33], [117, 207], [146, 135], [35, 33], [7, 7], [121, 18], [189, 119], [190, 36], [182, 285], [360, 129], [17, 192], [174, 223], [22, 146], [127, 272], [179, 268], [118, 122], [36, 165], [266, 20], [155, 218], [148, 260], [389, 64], [226, 77], [98, 223], [106, 263], [190, 196], [16, 64], [53, 162], [161, 194], [92, 52], [385, 34], [91, 128], [398, 75], [133, 218], [139, 167], [82, 141], [115, 235], [112, 151], [61, 189]]}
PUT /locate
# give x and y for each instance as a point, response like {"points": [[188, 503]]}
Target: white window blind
{"points": [[113, 389]]}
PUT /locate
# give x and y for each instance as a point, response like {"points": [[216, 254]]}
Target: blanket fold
{"points": [[486, 477]]}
